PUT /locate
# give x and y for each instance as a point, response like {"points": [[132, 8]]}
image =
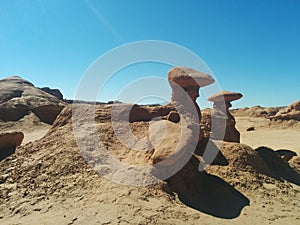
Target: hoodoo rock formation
{"points": [[219, 121], [185, 83]]}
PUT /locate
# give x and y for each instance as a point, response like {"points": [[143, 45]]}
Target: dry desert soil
{"points": [[47, 182]]}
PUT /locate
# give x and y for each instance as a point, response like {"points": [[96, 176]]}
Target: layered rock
{"points": [[54, 92], [19, 97], [185, 83], [292, 112], [219, 121], [255, 111]]}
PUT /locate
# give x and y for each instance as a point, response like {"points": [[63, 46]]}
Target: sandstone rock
{"points": [[292, 112], [294, 106], [255, 111], [221, 123], [226, 96], [174, 117], [19, 97], [250, 129], [169, 139], [13, 110], [185, 77], [174, 127], [9, 142], [65, 117], [54, 92], [47, 113]]}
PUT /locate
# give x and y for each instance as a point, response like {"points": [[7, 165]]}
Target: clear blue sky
{"points": [[252, 47]]}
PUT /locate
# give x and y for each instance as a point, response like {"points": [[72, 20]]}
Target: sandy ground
{"points": [[32, 128], [269, 136], [96, 200], [30, 136]]}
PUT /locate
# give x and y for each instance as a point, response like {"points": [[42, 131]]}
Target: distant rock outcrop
{"points": [[54, 92], [255, 111], [292, 112], [19, 97], [9, 142]]}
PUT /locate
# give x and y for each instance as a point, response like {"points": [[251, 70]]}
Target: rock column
{"points": [[222, 122]]}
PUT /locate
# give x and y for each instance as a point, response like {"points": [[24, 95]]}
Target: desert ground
{"points": [[55, 186], [275, 136]]}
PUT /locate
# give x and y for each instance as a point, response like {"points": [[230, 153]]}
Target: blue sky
{"points": [[252, 47]]}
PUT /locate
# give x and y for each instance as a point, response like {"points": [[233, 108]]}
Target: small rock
{"points": [[250, 129]]}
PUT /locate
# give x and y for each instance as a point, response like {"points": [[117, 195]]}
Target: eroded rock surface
{"points": [[19, 97], [219, 121], [292, 112], [54, 92]]}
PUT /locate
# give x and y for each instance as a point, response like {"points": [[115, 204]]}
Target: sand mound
{"points": [[250, 169], [279, 167], [242, 157]]}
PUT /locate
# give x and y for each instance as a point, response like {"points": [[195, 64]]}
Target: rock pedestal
{"points": [[222, 123]]}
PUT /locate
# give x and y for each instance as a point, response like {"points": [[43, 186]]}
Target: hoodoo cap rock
{"points": [[187, 77], [226, 96]]}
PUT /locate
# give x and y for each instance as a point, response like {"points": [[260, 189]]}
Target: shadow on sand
{"points": [[217, 198], [279, 167], [207, 193]]}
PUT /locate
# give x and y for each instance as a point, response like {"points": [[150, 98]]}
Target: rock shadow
{"points": [[214, 156], [9, 143], [286, 154], [207, 193], [7, 151], [279, 166]]}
